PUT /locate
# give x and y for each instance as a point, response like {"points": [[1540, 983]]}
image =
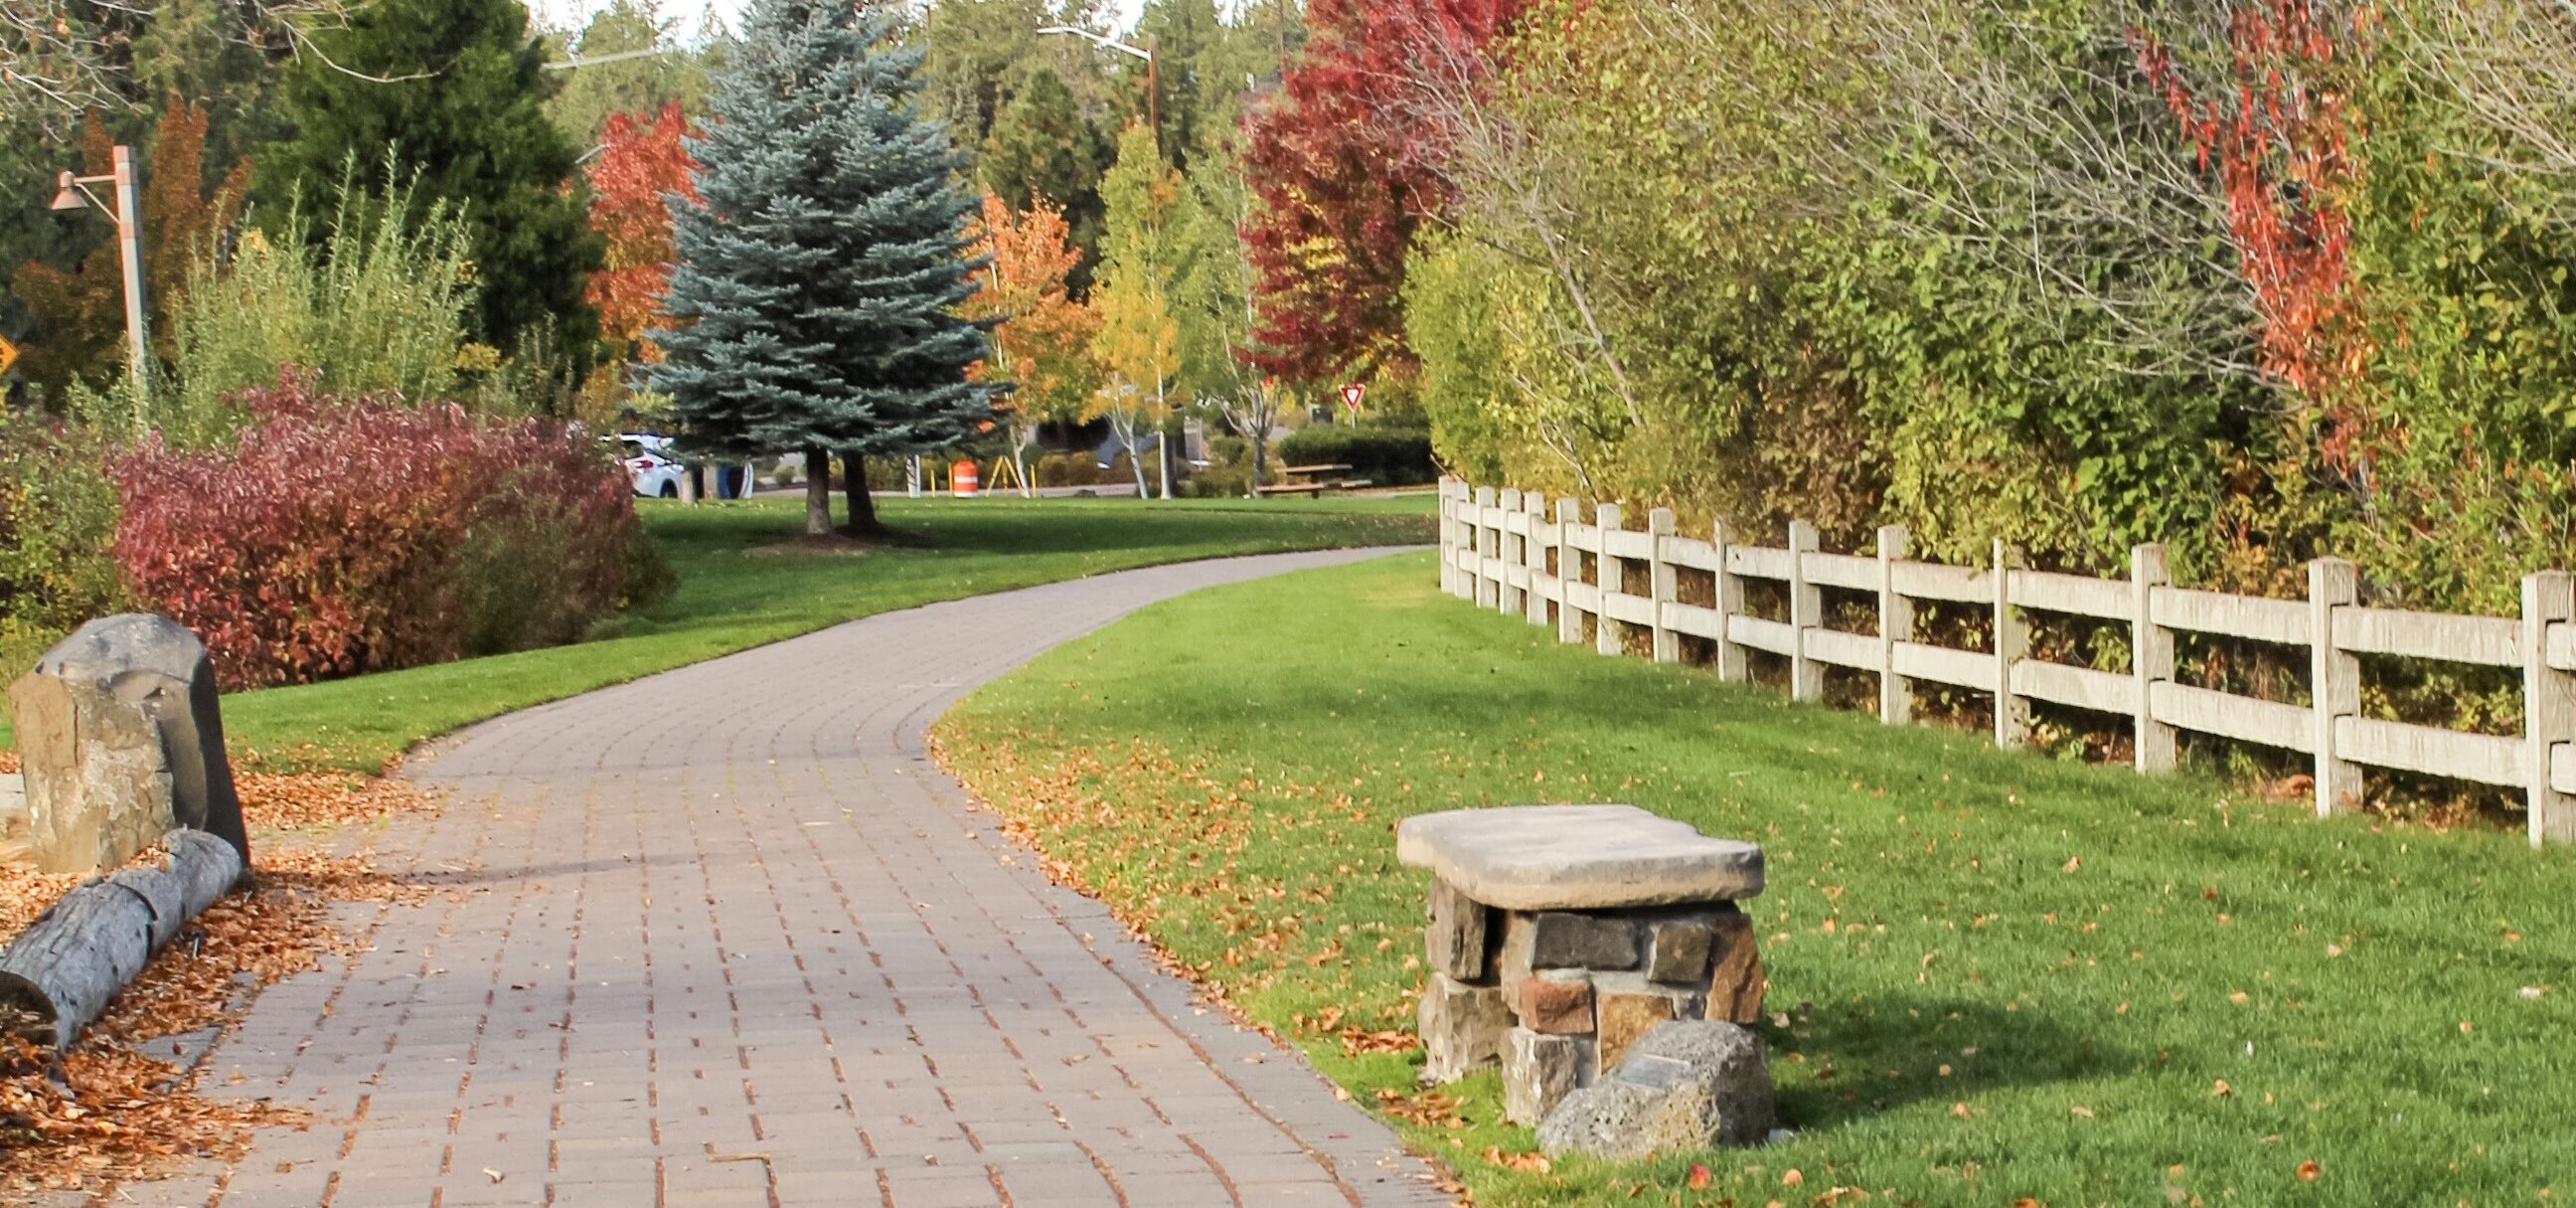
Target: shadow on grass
{"points": [[1833, 1065]]}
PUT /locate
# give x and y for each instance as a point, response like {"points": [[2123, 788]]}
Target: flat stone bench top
{"points": [[1577, 857]]}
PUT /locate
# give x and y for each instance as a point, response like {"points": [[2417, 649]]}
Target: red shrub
{"points": [[339, 535]]}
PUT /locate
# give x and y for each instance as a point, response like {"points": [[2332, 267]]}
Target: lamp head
{"points": [[69, 196]]}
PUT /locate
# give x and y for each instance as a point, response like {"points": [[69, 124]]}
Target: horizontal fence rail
{"points": [[1555, 562]]}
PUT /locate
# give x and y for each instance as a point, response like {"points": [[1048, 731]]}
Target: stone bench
{"points": [[1560, 934]]}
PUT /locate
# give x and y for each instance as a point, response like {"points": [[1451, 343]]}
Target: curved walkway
{"points": [[725, 936]]}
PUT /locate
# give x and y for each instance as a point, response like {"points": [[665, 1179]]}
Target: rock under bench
{"points": [[1560, 934]]}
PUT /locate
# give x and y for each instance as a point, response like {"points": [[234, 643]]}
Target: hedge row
{"points": [[1384, 456]]}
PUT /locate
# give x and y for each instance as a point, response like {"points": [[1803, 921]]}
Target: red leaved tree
{"points": [[2279, 134], [640, 162], [1345, 164]]}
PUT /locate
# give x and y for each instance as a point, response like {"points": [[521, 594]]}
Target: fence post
{"points": [[2151, 657], [1488, 549], [1569, 571], [1507, 597], [1612, 571], [1895, 624], [1462, 511], [2334, 681], [1534, 553], [2012, 640], [1446, 547], [1806, 611], [1730, 605], [2548, 704], [1666, 584]]}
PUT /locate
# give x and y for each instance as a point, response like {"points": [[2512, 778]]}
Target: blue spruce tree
{"points": [[818, 274]]}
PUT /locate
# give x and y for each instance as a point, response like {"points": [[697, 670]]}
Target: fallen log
{"points": [[61, 971]]}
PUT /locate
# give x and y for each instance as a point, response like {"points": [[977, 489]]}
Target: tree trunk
{"points": [[863, 507], [1260, 452], [818, 492], [1163, 439], [58, 974]]}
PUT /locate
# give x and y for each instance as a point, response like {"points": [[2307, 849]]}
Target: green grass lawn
{"points": [[730, 600], [2002, 976]]}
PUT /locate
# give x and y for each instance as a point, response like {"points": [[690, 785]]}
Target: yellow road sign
{"points": [[8, 355]]}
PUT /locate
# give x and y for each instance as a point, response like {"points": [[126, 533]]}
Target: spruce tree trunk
{"points": [[818, 493], [863, 507]]}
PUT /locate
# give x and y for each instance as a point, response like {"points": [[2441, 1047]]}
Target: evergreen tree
{"points": [[1184, 36], [821, 271], [1041, 147], [452, 88], [976, 48], [590, 94]]}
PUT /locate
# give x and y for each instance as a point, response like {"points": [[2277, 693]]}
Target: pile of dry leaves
{"points": [[106, 1110]]}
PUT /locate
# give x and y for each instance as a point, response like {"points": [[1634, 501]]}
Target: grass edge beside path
{"points": [[732, 599], [1996, 978]]}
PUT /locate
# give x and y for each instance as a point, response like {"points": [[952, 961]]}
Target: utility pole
{"points": [[73, 194]]}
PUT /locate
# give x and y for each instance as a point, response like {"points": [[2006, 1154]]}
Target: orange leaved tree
{"points": [[640, 164], [1041, 337]]}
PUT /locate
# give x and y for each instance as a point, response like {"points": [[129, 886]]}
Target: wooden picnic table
{"points": [[1314, 485]]}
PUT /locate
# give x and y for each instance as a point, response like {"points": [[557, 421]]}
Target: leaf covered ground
{"points": [[1996, 979], [122, 1103]]}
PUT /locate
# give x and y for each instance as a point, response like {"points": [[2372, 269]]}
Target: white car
{"points": [[650, 466]]}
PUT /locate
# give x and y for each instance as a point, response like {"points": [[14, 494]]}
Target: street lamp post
{"points": [[1150, 53], [128, 213]]}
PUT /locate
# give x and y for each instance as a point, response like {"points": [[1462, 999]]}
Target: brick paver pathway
{"points": [[725, 937]]}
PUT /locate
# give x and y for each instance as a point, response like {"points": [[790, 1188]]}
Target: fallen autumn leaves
{"points": [[108, 1110]]}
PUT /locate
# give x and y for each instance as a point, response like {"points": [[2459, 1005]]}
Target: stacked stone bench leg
{"points": [[1556, 996], [1560, 935]]}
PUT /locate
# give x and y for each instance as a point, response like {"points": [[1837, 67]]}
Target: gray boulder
{"points": [[1685, 1085], [120, 737]]}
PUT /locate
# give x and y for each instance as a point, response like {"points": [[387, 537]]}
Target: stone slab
{"points": [[1461, 1027], [1455, 938], [1737, 983], [1539, 1071], [1625, 1017], [1577, 857], [1684, 1086], [1563, 940], [1678, 951], [1556, 1006]]}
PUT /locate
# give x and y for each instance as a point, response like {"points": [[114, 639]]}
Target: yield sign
{"points": [[1351, 395]]}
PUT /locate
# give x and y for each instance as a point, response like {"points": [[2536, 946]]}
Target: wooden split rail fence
{"points": [[1553, 564]]}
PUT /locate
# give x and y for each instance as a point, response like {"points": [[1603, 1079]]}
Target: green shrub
{"points": [[377, 304], [1070, 470], [1386, 456], [57, 515], [1228, 474]]}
